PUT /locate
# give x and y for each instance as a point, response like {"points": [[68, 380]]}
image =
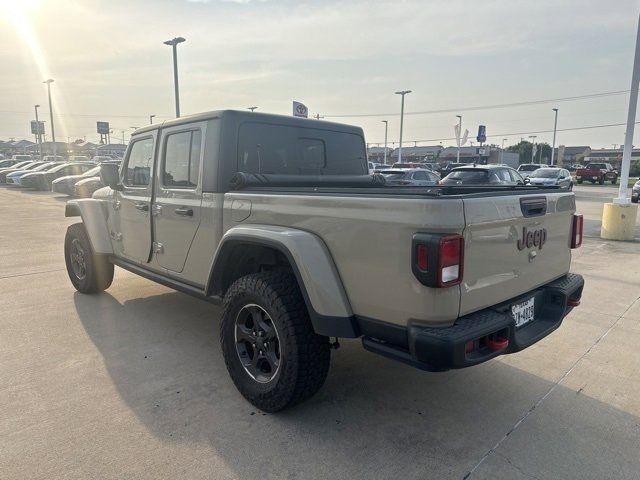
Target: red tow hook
{"points": [[497, 343], [573, 302]]}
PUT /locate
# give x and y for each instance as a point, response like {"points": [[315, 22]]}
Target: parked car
{"points": [[42, 180], [293, 260], [85, 187], [78, 158], [66, 184], [635, 192], [22, 166], [447, 167], [15, 178], [408, 165], [53, 158], [420, 177], [373, 167], [101, 158], [21, 158], [9, 162], [597, 172], [574, 167], [483, 175], [525, 169], [548, 176]]}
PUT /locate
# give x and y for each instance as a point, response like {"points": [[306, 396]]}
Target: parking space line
{"points": [[549, 392]]}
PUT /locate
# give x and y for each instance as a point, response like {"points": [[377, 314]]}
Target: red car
{"points": [[597, 172]]}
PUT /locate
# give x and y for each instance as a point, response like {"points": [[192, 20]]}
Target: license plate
{"points": [[523, 312]]}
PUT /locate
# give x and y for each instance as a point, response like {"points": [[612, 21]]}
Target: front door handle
{"points": [[184, 212], [143, 207]]}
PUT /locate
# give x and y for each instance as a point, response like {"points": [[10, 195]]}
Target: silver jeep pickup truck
{"points": [[277, 219]]}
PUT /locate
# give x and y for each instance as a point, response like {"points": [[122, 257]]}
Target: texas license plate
{"points": [[523, 312]]}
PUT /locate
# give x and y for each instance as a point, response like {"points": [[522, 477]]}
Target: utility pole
{"points": [[459, 137], [53, 132], [402, 93], [386, 127], [502, 150], [317, 116], [553, 145], [151, 119], [39, 134], [174, 44], [251, 108]]}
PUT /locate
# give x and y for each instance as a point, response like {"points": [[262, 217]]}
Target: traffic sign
{"points": [[482, 134]]}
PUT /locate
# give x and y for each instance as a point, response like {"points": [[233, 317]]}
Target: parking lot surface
{"points": [[131, 383]]}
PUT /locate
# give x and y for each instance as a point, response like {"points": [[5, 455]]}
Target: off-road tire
{"points": [[601, 180], [98, 271], [614, 180], [304, 355]]}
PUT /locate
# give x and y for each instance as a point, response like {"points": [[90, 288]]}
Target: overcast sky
{"points": [[337, 57]]}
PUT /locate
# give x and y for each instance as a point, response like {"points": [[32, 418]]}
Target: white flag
{"points": [[464, 137], [300, 110]]}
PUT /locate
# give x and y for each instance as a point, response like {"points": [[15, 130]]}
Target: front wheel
{"points": [[274, 357], [614, 180], [88, 272]]}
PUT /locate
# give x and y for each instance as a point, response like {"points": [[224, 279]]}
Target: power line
{"points": [[486, 107], [585, 127]]}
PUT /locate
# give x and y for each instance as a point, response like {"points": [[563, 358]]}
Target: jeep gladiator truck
{"points": [[276, 219], [597, 172]]}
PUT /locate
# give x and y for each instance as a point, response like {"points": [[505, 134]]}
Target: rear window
{"points": [[545, 173], [596, 166], [278, 149], [468, 176], [528, 168]]}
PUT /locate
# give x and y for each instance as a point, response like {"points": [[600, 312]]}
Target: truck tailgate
{"points": [[514, 244]]}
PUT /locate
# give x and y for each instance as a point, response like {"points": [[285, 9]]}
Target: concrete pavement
{"points": [[131, 384]]}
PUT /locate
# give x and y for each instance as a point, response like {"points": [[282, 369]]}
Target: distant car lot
{"points": [[132, 382]]}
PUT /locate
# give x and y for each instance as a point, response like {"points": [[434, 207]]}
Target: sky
{"points": [[343, 59]]}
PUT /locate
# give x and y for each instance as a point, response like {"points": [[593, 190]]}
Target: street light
{"points": [[401, 93], [174, 43], [502, 150], [533, 143], [386, 127], [553, 144], [151, 119], [459, 137], [38, 135], [53, 132], [251, 108]]}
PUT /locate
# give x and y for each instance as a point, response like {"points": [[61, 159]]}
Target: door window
{"points": [[420, 176], [181, 167], [138, 170], [516, 177]]}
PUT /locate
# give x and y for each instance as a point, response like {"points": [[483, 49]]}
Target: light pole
{"points": [[459, 137], [386, 128], [402, 93], [174, 43], [502, 150], [53, 132], [533, 143], [553, 144], [38, 135], [251, 108], [123, 137], [151, 119]]}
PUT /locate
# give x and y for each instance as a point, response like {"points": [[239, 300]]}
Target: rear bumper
{"points": [[482, 335]]}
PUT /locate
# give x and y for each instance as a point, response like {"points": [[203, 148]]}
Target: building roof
{"points": [[576, 150]]}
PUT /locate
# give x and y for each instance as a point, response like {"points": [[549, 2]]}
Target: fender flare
{"points": [[312, 264], [94, 218]]}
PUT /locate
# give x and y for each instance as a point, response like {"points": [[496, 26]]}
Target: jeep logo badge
{"points": [[532, 238]]}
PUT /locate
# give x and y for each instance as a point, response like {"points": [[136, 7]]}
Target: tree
{"points": [[523, 149]]}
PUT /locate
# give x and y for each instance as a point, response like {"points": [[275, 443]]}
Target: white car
{"points": [[527, 168]]}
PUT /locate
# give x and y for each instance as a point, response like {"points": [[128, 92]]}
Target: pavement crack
{"points": [[31, 273], [493, 449]]}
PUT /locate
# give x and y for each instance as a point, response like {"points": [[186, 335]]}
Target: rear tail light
{"points": [[437, 260], [577, 228], [450, 260]]}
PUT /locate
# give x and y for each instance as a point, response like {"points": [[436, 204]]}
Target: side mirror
{"points": [[110, 175]]}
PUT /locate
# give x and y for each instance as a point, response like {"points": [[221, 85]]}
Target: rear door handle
{"points": [[143, 207], [184, 212]]}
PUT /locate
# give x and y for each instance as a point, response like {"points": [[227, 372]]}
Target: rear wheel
{"points": [[274, 357], [614, 180], [88, 272], [601, 180]]}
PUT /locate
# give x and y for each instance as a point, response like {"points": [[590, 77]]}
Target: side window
{"points": [[420, 176], [138, 170], [503, 175], [313, 154], [181, 166], [515, 176]]}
